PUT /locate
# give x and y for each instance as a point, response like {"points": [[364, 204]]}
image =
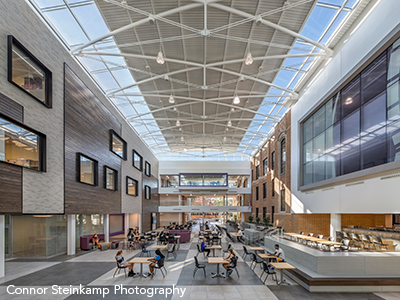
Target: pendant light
{"points": [[171, 99], [160, 58], [236, 100], [249, 59]]}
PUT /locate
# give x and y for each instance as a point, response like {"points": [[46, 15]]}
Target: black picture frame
{"points": [[134, 152], [12, 41], [145, 169], [42, 143], [127, 186], [125, 147], [115, 178], [95, 169]]}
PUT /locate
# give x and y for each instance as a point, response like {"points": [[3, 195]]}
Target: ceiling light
{"points": [[182, 138], [160, 58], [171, 99], [236, 100], [229, 123], [178, 123], [151, 20], [175, 109], [186, 151], [348, 101], [224, 138], [232, 109], [249, 59]]}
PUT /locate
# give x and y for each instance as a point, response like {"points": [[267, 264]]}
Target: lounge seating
{"points": [[86, 241], [185, 235]]}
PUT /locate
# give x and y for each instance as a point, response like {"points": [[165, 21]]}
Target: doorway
{"points": [[8, 236]]}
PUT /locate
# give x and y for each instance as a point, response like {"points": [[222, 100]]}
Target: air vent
{"points": [[390, 177], [328, 189], [355, 183], [310, 192]]}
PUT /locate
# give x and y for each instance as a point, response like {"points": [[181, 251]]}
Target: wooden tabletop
{"points": [[217, 260], [214, 247], [256, 249], [263, 256], [160, 247], [140, 260], [235, 234], [282, 265]]}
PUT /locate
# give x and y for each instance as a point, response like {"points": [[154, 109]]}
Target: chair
{"points": [[339, 236], [320, 236], [365, 239], [144, 251], [255, 260], [356, 239], [246, 252], [234, 262], [227, 249], [301, 233], [346, 245], [198, 266], [172, 251], [377, 240], [268, 271], [119, 269], [199, 251], [345, 235], [160, 265]]}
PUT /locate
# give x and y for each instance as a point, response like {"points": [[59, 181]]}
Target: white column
{"points": [[140, 223], [106, 228], [71, 234], [336, 224], [126, 223], [180, 215], [2, 246]]}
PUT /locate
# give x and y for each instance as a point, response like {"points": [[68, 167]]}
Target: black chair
{"points": [[255, 261], [119, 269], [199, 251], [172, 251], [227, 249], [144, 251], [268, 271], [246, 252], [198, 266], [160, 265], [234, 266]]}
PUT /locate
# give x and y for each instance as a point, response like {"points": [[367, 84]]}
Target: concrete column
{"points": [[2, 246], [126, 223], [106, 220], [336, 224], [140, 223], [71, 234], [180, 215]]}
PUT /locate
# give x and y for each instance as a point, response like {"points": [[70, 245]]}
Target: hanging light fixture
{"points": [[182, 139], [236, 100], [171, 99], [178, 123], [160, 58], [186, 151], [232, 109], [249, 59], [224, 138], [229, 123]]}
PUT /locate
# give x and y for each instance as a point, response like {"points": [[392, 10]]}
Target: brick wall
{"points": [[315, 223], [368, 220]]}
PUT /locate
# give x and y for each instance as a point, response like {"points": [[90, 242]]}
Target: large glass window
{"points": [[28, 73], [265, 166], [273, 160], [137, 160], [361, 128], [283, 156], [147, 192], [273, 187], [257, 193], [203, 179], [87, 169], [238, 181], [191, 180], [257, 172], [264, 190], [117, 145], [111, 179], [131, 186], [147, 169], [215, 179], [21, 146], [169, 181], [283, 200]]}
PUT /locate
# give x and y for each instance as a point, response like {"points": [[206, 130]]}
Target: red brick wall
{"points": [[368, 220]]}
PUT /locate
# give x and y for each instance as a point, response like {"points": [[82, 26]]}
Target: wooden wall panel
{"points": [[11, 109], [10, 188], [150, 206], [87, 130], [11, 176]]}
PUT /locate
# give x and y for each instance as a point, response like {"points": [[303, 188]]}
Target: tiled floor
{"points": [[95, 269]]}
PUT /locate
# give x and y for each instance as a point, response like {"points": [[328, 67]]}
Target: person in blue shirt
{"points": [[155, 261], [204, 247]]}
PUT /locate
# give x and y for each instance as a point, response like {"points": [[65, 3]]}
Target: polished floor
{"points": [[95, 269]]}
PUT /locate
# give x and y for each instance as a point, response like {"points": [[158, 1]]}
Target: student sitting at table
{"points": [[95, 240], [122, 263], [204, 247], [280, 255], [155, 261], [231, 261]]}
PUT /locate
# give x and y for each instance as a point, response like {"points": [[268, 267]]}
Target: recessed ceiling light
{"points": [[182, 138], [160, 58]]}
